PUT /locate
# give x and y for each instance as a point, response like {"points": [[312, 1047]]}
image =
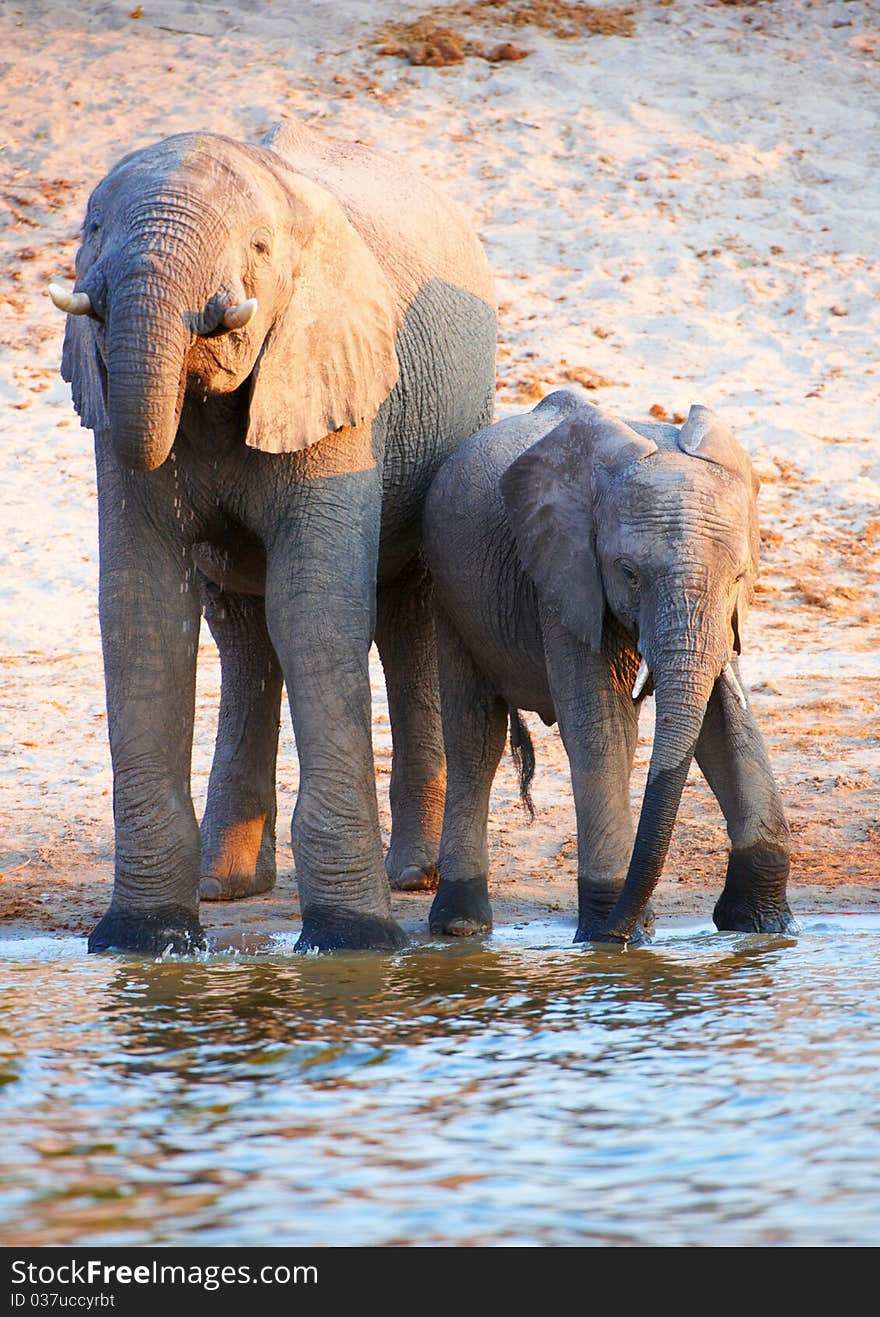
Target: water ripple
{"points": [[711, 1089]]}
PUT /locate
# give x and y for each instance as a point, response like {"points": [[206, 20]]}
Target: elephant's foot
{"points": [[329, 928], [234, 887], [594, 910], [414, 878], [641, 935], [171, 927], [412, 867], [461, 909], [237, 861], [754, 896]]}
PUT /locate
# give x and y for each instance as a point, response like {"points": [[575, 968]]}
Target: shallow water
{"points": [[711, 1089]]}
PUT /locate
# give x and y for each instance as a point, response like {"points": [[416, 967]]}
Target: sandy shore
{"points": [[681, 203]]}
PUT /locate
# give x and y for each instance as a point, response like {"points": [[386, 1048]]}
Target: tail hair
{"points": [[523, 754]]}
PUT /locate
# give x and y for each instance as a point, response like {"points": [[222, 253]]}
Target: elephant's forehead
{"points": [[679, 498], [666, 484], [212, 169]]}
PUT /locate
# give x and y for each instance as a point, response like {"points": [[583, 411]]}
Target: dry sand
{"points": [[681, 202]]}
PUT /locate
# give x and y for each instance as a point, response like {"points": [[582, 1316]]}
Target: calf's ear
{"points": [[705, 435], [549, 497]]}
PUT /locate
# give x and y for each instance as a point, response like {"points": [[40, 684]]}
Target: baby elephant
{"points": [[580, 562]]}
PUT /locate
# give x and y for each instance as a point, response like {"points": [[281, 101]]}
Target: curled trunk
{"points": [[147, 345]]}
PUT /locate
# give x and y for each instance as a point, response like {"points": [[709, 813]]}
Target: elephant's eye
{"points": [[261, 245], [629, 573]]}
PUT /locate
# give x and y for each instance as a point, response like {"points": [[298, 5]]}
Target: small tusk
{"points": [[728, 676], [642, 676], [75, 304], [239, 316]]}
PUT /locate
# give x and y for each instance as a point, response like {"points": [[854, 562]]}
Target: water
{"points": [[713, 1089]]}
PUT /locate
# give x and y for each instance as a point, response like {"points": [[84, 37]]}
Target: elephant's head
{"points": [[204, 264], [659, 528]]}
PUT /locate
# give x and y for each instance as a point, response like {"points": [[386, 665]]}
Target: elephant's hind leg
{"points": [[732, 758], [474, 730], [406, 643], [238, 828]]}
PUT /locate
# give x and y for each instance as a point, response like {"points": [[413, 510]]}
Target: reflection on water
{"points": [[711, 1089]]}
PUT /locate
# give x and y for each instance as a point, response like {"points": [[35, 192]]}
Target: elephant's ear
{"points": [[329, 359], [746, 588], [549, 495], [82, 368], [740, 609], [706, 436]]}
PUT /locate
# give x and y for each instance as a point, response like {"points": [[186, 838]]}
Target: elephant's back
{"points": [[472, 556], [468, 486], [415, 232]]}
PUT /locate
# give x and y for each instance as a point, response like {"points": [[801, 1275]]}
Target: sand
{"points": [[681, 203]]}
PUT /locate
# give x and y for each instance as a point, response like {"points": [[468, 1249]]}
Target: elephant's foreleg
{"points": [[320, 606], [598, 721], [601, 740], [406, 643], [733, 759], [238, 828], [149, 611], [474, 730]]}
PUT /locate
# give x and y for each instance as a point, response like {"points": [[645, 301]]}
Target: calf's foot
{"points": [[594, 910], [754, 897], [461, 909]]}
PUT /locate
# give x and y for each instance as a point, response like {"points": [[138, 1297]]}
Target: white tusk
{"points": [[642, 676], [75, 304], [728, 676], [239, 316]]}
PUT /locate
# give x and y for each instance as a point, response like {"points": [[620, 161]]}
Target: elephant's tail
{"points": [[523, 754]]}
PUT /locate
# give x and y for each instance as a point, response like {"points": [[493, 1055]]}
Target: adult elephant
{"points": [[276, 348]]}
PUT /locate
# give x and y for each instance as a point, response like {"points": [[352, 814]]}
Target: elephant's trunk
{"points": [[147, 344], [682, 686]]}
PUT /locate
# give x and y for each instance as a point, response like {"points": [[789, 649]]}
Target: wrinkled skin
{"points": [[565, 546], [273, 474]]}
